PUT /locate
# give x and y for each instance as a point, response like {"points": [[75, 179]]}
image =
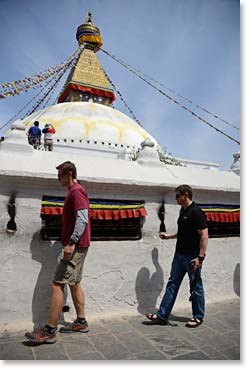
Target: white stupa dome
{"points": [[90, 121]]}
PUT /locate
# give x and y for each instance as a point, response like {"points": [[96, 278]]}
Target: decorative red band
{"points": [[92, 90], [104, 214], [223, 217]]}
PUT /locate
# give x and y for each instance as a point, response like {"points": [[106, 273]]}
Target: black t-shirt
{"points": [[190, 220]]}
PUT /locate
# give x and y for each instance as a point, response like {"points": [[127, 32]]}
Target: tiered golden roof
{"points": [[87, 78], [89, 71]]}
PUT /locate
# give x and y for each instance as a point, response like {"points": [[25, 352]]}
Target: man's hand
{"points": [[197, 263], [68, 251], [164, 236]]}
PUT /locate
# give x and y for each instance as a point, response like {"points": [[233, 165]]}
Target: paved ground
{"points": [[128, 338]]}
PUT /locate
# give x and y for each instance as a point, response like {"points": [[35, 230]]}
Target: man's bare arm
{"points": [[203, 242], [167, 236], [203, 246]]}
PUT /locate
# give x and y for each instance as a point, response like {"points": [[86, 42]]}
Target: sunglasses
{"points": [[178, 195], [59, 176]]}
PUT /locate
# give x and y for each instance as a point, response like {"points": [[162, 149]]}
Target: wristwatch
{"points": [[71, 242], [201, 258]]}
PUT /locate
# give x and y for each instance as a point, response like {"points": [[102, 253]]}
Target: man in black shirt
{"points": [[192, 239]]}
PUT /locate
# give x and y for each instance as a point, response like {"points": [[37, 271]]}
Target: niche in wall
{"points": [[223, 219], [110, 219]]}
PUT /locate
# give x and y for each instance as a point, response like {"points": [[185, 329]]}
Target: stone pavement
{"points": [[128, 338]]}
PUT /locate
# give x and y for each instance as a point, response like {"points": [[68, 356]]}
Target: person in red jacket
{"points": [[48, 132], [76, 235]]}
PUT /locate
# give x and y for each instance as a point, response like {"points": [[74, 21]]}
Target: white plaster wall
{"points": [[119, 276]]}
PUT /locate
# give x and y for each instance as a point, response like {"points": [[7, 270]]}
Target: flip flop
{"points": [[193, 323], [156, 319]]}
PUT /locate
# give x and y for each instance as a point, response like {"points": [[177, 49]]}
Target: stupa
{"points": [[128, 186], [83, 118]]}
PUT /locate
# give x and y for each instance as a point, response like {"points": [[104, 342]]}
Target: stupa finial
{"points": [[87, 80], [88, 33], [89, 18]]}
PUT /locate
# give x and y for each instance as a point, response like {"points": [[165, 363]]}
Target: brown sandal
{"points": [[192, 323], [156, 319]]}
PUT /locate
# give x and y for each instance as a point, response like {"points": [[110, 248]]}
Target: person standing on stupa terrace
{"points": [[34, 135], [48, 132]]}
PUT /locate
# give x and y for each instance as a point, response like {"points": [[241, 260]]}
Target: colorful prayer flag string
{"points": [[50, 91], [170, 98], [16, 87], [121, 98], [179, 95]]}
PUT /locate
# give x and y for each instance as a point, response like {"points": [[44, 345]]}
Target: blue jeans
{"points": [[180, 266]]}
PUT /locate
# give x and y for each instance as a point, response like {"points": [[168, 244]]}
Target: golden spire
{"points": [[88, 33], [87, 80]]}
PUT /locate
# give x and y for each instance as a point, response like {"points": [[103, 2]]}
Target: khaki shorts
{"points": [[70, 272]]}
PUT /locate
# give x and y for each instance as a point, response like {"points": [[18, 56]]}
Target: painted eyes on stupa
{"points": [[87, 96]]}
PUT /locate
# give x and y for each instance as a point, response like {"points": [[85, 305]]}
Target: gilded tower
{"points": [[87, 80]]}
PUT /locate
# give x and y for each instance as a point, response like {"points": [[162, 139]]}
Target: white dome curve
{"points": [[90, 121]]}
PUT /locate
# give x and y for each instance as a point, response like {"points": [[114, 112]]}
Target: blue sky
{"points": [[191, 46]]}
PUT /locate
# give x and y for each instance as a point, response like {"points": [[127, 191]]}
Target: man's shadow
{"points": [[149, 288], [236, 280], [47, 254]]}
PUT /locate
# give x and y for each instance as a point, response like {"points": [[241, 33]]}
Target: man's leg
{"points": [[35, 143], [174, 282], [80, 324], [56, 303], [47, 334], [46, 145], [197, 296], [78, 299]]}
